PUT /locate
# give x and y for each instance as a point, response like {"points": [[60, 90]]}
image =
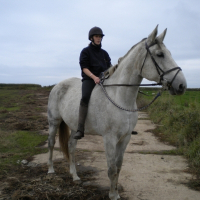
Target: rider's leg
{"points": [[81, 122], [87, 87]]}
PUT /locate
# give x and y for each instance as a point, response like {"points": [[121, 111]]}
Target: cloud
{"points": [[43, 39]]}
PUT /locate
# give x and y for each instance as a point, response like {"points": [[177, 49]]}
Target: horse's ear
{"points": [[152, 36], [161, 37]]}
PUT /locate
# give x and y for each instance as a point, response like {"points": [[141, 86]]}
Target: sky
{"points": [[41, 40]]}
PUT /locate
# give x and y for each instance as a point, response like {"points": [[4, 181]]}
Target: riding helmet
{"points": [[95, 31]]}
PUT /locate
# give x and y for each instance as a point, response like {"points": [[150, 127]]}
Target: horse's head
{"points": [[159, 65]]}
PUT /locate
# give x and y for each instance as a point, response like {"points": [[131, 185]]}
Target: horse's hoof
{"points": [[76, 179], [114, 196], [51, 172], [78, 182]]}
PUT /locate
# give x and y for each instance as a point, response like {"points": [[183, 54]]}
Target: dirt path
{"points": [[146, 174]]}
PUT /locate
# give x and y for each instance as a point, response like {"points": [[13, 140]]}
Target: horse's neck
{"points": [[127, 73]]}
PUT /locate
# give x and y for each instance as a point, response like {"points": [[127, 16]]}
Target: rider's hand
{"points": [[96, 79]]}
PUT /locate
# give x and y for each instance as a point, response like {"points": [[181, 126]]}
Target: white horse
{"points": [[148, 59]]}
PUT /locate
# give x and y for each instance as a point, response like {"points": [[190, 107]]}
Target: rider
{"points": [[93, 60]]}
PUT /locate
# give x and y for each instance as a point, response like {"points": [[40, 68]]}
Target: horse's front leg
{"points": [[120, 149], [117, 178], [110, 147], [72, 147]]}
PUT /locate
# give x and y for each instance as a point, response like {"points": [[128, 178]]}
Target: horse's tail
{"points": [[64, 138]]}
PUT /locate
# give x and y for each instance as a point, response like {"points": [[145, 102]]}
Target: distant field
{"points": [[190, 96], [4, 86]]}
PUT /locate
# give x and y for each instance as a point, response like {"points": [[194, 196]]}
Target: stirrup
{"points": [[134, 133]]}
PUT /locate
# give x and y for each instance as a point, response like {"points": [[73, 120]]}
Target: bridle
{"points": [[169, 84], [163, 82]]}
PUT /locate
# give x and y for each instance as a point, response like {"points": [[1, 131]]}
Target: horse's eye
{"points": [[160, 54]]}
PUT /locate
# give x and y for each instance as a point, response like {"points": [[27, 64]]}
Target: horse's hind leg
{"points": [[51, 142], [72, 147]]}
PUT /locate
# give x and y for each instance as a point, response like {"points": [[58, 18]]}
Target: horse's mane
{"points": [[113, 68]]}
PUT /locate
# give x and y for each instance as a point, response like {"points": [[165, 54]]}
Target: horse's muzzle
{"points": [[178, 91]]}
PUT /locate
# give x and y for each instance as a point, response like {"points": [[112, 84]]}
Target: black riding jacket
{"points": [[95, 59]]}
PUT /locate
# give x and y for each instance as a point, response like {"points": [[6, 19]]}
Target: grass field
{"points": [[19, 86], [190, 96], [21, 122]]}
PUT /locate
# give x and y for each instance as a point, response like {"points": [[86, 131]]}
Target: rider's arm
{"points": [[91, 75]]}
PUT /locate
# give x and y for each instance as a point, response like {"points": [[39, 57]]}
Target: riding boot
{"points": [[81, 122]]}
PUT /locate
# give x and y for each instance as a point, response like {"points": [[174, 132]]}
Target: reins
{"points": [[129, 110], [154, 84], [168, 84]]}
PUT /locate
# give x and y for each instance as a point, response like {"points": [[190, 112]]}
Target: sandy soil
{"points": [[147, 173]]}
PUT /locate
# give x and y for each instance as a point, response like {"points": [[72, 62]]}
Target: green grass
{"points": [[190, 96], [9, 100], [10, 109], [13, 100], [21, 141], [18, 145], [173, 152]]}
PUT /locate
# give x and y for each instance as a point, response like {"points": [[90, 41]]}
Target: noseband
{"points": [[159, 70]]}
